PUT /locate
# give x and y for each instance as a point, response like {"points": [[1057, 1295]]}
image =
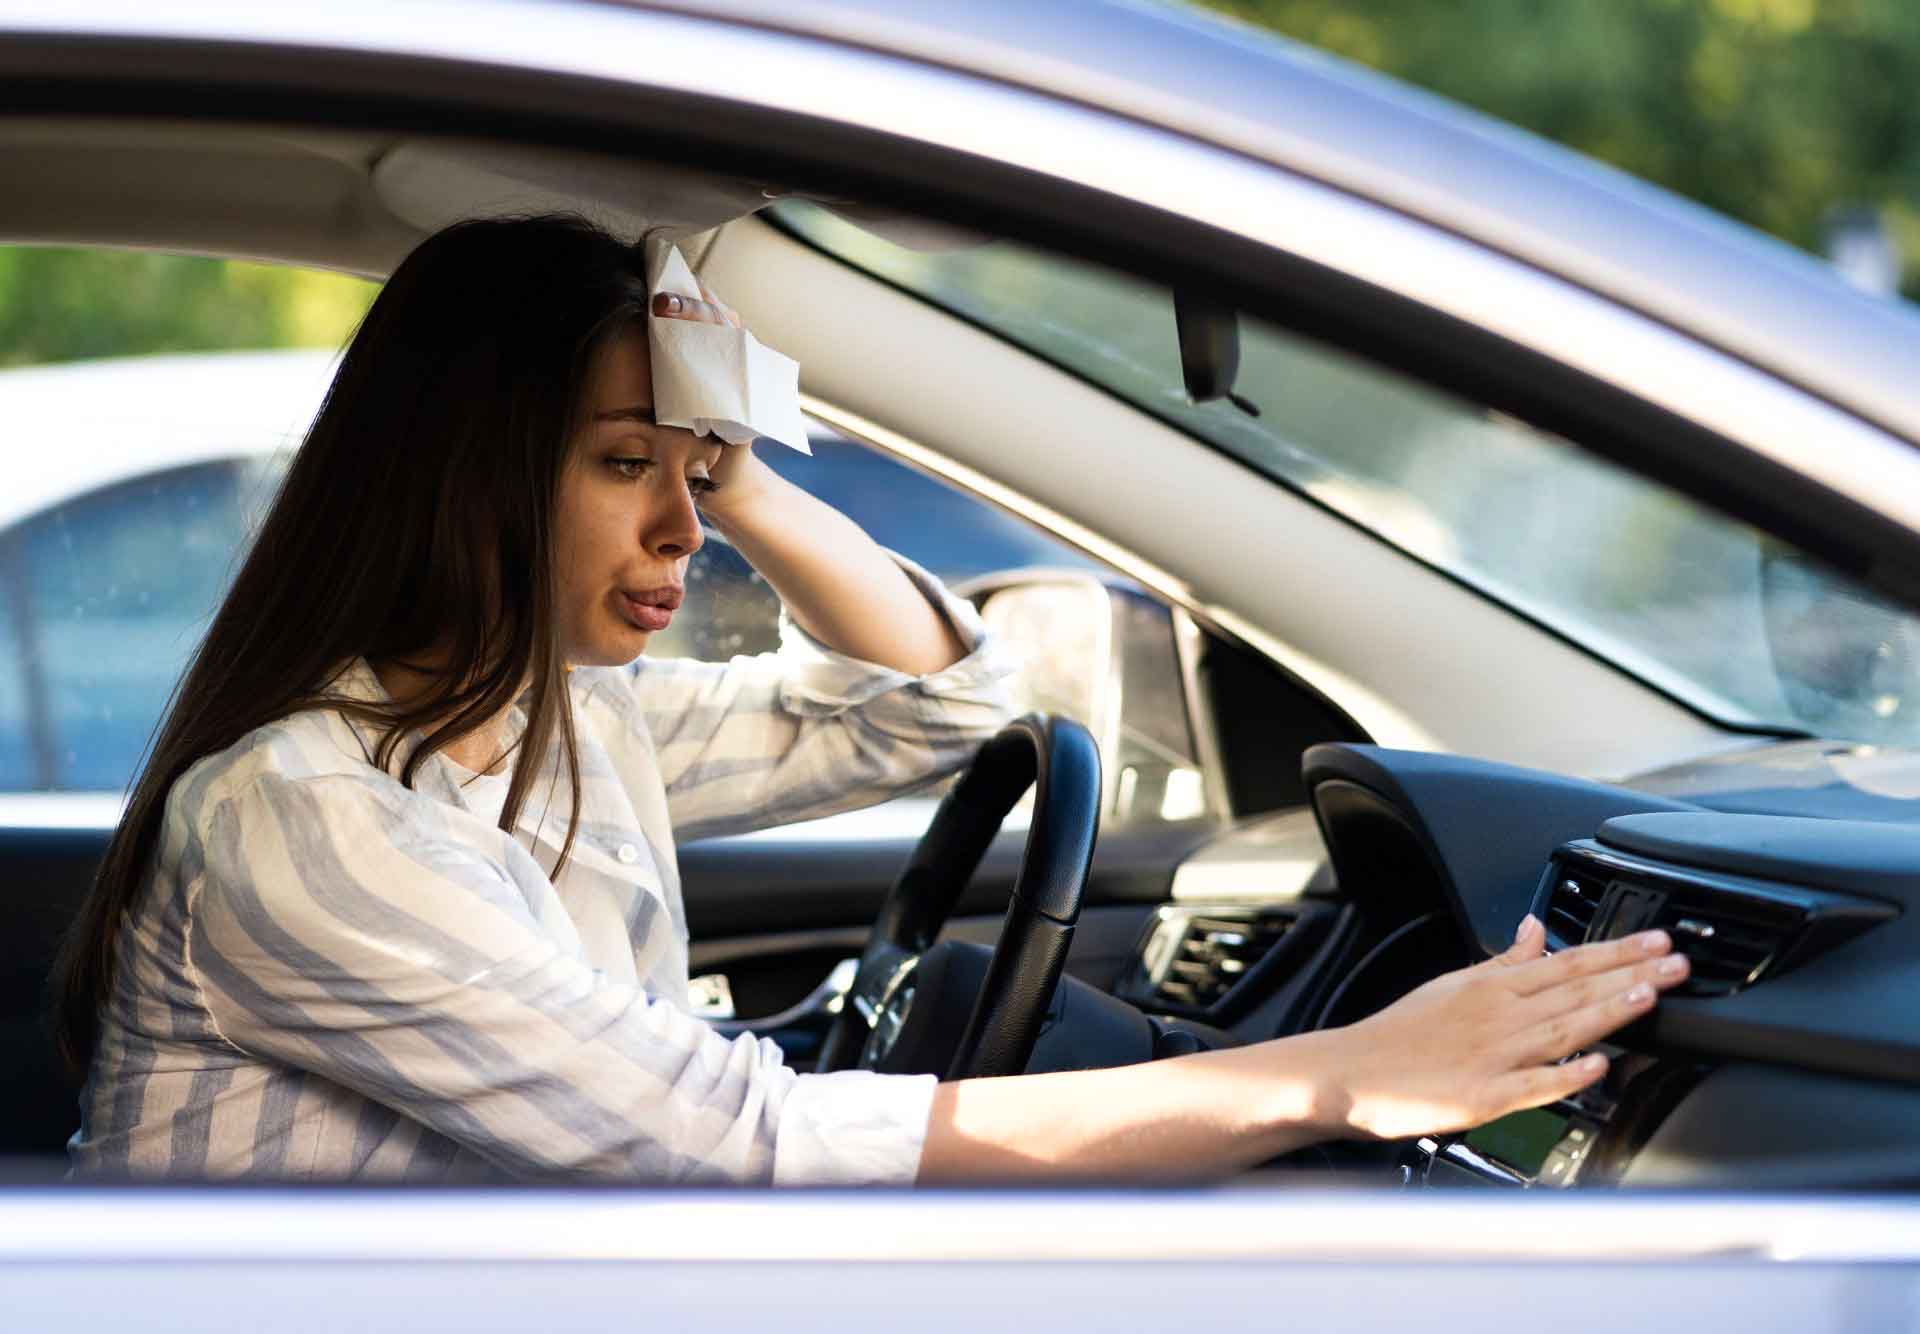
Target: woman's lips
{"points": [[651, 609]]}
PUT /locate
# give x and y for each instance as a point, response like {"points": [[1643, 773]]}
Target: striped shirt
{"points": [[333, 976]]}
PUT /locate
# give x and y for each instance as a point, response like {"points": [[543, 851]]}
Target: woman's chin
{"points": [[611, 650], [633, 645]]}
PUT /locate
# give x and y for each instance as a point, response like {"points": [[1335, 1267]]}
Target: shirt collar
{"points": [[437, 776], [543, 818]]}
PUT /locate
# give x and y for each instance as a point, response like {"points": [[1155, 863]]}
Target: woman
{"points": [[395, 895]]}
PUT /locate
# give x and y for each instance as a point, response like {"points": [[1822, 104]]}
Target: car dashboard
{"points": [[1790, 1058]]}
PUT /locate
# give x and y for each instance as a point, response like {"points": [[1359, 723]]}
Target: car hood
{"points": [[1838, 780]]}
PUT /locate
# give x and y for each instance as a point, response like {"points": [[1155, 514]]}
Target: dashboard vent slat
{"points": [[1730, 939], [1573, 905], [1213, 952], [1735, 930]]}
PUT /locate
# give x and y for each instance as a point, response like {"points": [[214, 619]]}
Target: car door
{"points": [[105, 590], [103, 596], [1210, 1257]]}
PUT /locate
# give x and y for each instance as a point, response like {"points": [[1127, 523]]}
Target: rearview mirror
{"points": [[1209, 335]]}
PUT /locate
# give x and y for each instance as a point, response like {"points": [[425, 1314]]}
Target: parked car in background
{"points": [[125, 520]]}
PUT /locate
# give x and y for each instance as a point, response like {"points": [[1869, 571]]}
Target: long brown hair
{"points": [[417, 514]]}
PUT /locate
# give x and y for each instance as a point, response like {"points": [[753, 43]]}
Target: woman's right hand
{"points": [[1475, 1044], [1460, 1051]]}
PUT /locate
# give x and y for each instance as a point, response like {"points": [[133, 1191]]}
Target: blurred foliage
{"points": [[67, 304], [1775, 112]]}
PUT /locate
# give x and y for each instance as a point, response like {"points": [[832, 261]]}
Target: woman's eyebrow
{"points": [[642, 412]]}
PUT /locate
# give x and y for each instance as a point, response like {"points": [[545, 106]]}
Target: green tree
{"points": [[1771, 111], [67, 304]]}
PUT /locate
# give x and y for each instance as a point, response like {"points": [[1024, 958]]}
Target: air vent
{"points": [[1732, 940], [1192, 958], [1735, 930], [1573, 905], [1213, 954]]}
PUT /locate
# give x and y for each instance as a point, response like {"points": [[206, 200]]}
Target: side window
{"points": [[147, 401], [946, 531], [16, 754], [106, 595], [1077, 638]]}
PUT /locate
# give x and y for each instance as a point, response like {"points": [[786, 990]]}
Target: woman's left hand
{"points": [[739, 471], [835, 582]]}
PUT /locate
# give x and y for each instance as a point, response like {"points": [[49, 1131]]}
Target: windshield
{"points": [[1733, 623]]}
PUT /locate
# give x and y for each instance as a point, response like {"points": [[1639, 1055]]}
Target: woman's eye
{"points": [[632, 468]]}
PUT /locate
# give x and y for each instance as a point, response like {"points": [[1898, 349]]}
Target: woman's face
{"points": [[625, 523]]}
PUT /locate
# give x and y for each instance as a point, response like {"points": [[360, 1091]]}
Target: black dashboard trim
{"points": [[1488, 828], [1492, 828]]}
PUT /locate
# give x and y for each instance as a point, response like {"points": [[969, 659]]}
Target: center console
{"points": [[1587, 1139]]}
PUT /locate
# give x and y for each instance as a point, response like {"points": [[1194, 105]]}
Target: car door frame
{"points": [[1856, 502]]}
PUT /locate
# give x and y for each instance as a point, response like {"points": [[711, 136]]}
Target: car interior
{"points": [[1318, 758]]}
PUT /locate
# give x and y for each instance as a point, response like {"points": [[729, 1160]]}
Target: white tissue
{"points": [[713, 379]]}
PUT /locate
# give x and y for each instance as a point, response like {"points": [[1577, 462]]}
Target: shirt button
{"points": [[628, 853]]}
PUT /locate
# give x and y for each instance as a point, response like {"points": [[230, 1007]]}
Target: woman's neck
{"points": [[483, 750]]}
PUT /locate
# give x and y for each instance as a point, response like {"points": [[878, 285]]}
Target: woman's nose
{"points": [[674, 531]]}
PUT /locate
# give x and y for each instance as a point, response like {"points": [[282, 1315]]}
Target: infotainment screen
{"points": [[1520, 1140]]}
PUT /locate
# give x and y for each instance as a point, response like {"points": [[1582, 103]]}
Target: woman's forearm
{"points": [[1457, 1052], [836, 582], [1191, 1117]]}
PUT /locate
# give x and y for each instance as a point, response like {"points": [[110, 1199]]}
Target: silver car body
{"points": [[1785, 370]]}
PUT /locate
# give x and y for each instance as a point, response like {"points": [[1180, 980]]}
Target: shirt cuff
{"points": [[853, 1128], [826, 681]]}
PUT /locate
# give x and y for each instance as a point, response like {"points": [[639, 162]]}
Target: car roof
{"points": [[1195, 74], [87, 424], [1249, 90]]}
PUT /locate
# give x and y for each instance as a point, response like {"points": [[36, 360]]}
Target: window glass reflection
{"points": [[110, 594]]}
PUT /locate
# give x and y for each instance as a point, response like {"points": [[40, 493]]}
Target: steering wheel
{"points": [[1058, 758]]}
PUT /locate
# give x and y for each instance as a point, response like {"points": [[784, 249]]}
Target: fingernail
{"points": [[674, 304], [1526, 926], [1639, 995], [1671, 966], [1654, 940]]}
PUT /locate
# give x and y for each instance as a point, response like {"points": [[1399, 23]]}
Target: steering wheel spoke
{"points": [[876, 1004]]}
